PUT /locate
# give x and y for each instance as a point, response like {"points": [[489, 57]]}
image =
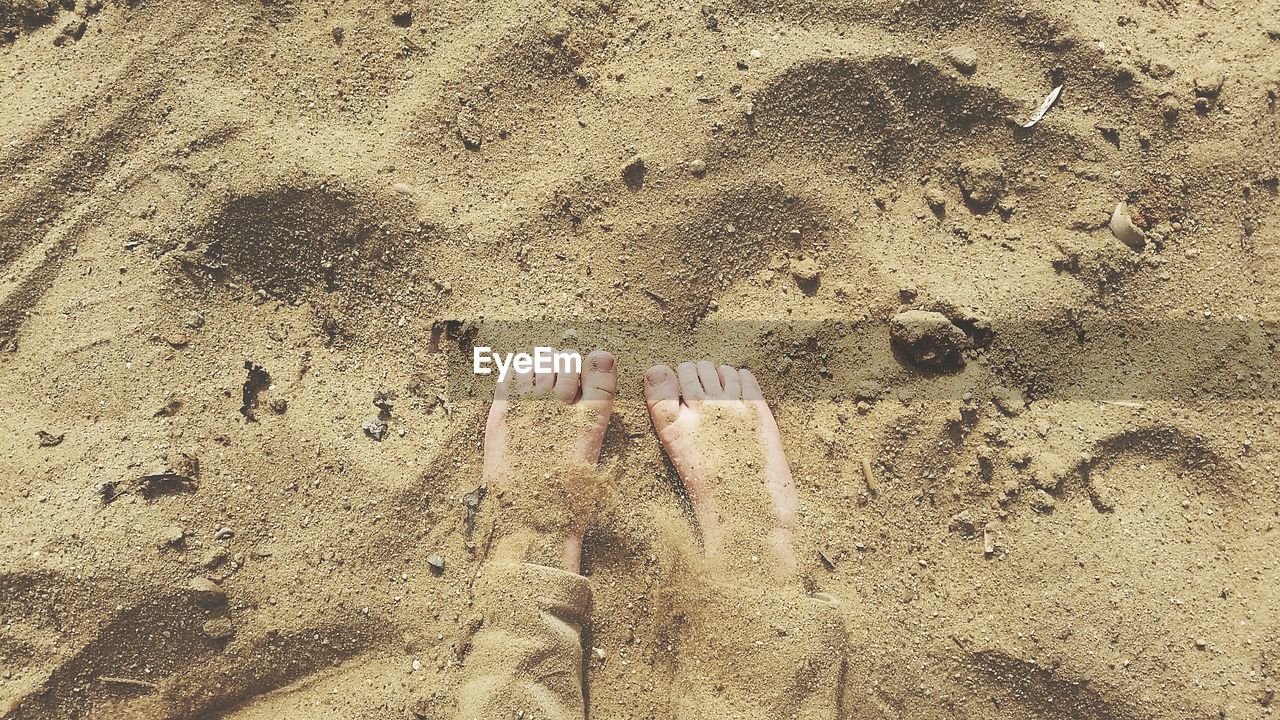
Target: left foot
{"points": [[541, 443]]}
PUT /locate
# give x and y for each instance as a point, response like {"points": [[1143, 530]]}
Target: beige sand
{"points": [[1080, 522]]}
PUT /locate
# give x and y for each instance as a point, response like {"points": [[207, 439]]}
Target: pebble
{"points": [[1209, 78], [173, 535], [936, 199], [928, 338], [1042, 502], [206, 593], [1048, 470], [215, 557], [963, 57], [982, 180], [436, 563], [807, 274], [963, 523], [375, 428], [224, 533], [697, 168], [1010, 401]]}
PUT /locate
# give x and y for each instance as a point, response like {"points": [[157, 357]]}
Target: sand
{"points": [[1062, 505]]}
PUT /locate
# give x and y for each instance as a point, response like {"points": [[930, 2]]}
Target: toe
{"points": [[543, 380], [662, 395], [690, 385], [599, 380], [523, 381], [567, 379], [710, 379], [729, 381]]}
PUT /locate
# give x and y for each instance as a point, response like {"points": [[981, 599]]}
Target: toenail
{"points": [[603, 363], [656, 375]]}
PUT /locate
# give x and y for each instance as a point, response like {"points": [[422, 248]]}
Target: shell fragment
{"points": [[1049, 101], [1125, 231]]}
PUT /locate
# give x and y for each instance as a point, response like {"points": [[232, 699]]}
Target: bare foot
{"points": [[541, 443], [719, 433]]}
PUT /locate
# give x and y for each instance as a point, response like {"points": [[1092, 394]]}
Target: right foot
{"points": [[725, 444]]}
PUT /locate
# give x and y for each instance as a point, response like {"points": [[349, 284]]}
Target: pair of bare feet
{"points": [[714, 425]]}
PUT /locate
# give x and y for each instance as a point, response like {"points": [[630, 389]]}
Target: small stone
{"points": [[1048, 470], [218, 629], [224, 533], [928, 338], [963, 57], [416, 664], [338, 33], [936, 199], [633, 172], [1209, 78], [1201, 643], [697, 168], [436, 564], [206, 593], [173, 535], [1042, 502], [807, 274], [214, 557], [375, 428], [982, 180], [1272, 30], [963, 523], [195, 320], [1009, 400]]}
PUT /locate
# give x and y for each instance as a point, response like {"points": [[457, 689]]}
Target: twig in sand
{"points": [[867, 474], [657, 298], [129, 681]]}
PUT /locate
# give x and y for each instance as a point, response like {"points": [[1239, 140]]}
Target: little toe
{"points": [[662, 395], [690, 386]]}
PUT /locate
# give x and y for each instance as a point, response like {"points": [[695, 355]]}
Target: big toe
{"points": [[662, 395]]}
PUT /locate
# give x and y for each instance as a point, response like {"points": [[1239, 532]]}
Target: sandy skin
{"points": [[702, 413]]}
